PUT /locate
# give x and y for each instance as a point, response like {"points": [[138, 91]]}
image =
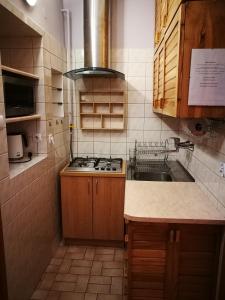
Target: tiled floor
{"points": [[83, 273]]}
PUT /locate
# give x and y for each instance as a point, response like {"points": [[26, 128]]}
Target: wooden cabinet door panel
{"points": [[148, 260], [76, 207], [108, 208], [197, 255], [172, 47], [203, 28]]}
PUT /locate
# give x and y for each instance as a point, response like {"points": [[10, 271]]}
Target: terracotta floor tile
{"points": [[76, 249], [39, 295], [61, 251], [66, 277], [75, 255], [89, 254], [52, 269], [104, 257], [117, 285], [65, 266], [100, 280], [112, 272], [46, 284], [98, 288], [81, 284], [105, 250], [71, 296], [83, 273], [80, 270], [81, 263], [119, 255], [113, 265], [96, 268], [48, 276], [110, 297], [56, 261], [63, 286], [53, 295], [89, 296]]}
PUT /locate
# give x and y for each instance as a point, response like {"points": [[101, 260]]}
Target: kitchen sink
{"points": [[152, 176], [173, 171]]}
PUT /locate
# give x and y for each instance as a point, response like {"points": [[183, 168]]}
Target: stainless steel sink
{"points": [[152, 176], [174, 171]]}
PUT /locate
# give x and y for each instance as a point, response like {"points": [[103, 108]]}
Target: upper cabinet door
{"points": [[108, 208], [76, 195], [195, 24]]}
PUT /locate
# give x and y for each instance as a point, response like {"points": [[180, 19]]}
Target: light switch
{"points": [[222, 169]]}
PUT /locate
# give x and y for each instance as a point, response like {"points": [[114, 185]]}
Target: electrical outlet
{"points": [[222, 169]]}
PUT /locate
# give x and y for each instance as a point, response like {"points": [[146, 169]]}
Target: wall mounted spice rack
{"points": [[102, 110]]}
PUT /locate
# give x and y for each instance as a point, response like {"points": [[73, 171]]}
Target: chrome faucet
{"points": [[182, 145]]}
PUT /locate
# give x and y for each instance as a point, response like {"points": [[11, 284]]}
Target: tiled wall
{"points": [[141, 123], [30, 200], [204, 162]]}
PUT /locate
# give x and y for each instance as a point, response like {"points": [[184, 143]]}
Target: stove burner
{"points": [[94, 164]]}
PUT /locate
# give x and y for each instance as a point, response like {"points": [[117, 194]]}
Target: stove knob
{"points": [[96, 168], [114, 169], [108, 169], [102, 168]]}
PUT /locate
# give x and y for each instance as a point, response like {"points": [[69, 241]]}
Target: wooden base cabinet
{"points": [[174, 261], [92, 207]]}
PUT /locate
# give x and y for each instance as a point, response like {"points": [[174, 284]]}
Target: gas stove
{"points": [[95, 164]]}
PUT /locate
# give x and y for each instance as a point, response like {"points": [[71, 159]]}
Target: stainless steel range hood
{"points": [[97, 23]]}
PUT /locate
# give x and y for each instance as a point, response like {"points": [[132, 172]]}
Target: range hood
{"points": [[97, 36]]}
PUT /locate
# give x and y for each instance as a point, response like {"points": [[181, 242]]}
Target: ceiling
{"points": [[11, 26]]}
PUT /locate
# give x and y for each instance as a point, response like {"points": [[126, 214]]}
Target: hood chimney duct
{"points": [[97, 38], [96, 33]]}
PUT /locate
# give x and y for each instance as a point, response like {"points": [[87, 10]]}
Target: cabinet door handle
{"points": [[171, 236], [177, 239], [96, 186], [88, 186]]}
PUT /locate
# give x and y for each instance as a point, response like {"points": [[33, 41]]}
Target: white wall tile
{"points": [[136, 110], [118, 149], [152, 124], [136, 83], [101, 148]]}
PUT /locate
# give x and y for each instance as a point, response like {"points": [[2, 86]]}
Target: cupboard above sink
{"points": [[190, 25]]}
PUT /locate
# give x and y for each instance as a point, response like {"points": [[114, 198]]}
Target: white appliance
{"points": [[15, 146]]}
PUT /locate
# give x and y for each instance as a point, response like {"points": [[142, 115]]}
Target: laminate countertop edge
{"points": [[169, 202]]}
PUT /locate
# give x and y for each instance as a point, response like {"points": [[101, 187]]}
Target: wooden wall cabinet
{"points": [[102, 110], [196, 24], [174, 261], [92, 207]]}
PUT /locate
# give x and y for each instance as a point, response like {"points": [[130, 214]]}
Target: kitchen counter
{"points": [[170, 202]]}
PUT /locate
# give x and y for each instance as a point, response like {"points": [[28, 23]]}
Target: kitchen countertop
{"points": [[169, 202]]}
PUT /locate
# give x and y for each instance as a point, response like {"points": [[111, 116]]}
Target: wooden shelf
{"points": [[105, 114], [22, 119], [103, 129], [19, 72], [102, 93]]}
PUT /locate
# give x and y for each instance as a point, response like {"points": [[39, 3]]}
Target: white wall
{"points": [[47, 14], [132, 23]]}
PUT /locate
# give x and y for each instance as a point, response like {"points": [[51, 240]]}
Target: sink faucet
{"points": [[182, 145]]}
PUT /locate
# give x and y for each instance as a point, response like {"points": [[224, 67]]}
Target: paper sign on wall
{"points": [[207, 77]]}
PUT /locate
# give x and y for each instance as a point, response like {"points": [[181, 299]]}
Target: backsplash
{"points": [[204, 162], [141, 123]]}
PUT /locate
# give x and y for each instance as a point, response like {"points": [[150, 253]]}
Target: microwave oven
{"points": [[18, 95]]}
